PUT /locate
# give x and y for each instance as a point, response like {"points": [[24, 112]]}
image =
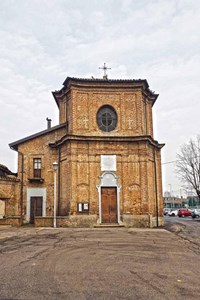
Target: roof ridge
{"points": [[103, 79], [14, 145]]}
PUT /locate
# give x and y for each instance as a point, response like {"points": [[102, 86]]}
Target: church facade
{"points": [[109, 165]]}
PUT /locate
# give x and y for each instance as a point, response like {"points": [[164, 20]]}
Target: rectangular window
{"points": [[37, 166]]}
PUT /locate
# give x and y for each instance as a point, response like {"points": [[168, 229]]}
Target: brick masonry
{"points": [[9, 206], [78, 146]]}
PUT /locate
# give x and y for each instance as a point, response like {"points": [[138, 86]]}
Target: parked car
{"points": [[196, 213], [184, 212], [166, 211], [173, 212]]}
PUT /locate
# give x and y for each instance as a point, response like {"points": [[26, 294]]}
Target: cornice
{"points": [[106, 139], [96, 83]]}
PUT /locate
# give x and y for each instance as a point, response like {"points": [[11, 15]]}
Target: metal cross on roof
{"points": [[104, 68]]}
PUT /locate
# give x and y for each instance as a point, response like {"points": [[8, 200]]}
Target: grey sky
{"points": [[43, 42]]}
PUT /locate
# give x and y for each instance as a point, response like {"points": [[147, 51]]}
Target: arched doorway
{"points": [[109, 201]]}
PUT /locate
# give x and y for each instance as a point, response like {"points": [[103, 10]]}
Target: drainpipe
{"points": [[59, 154], [156, 188], [21, 187], [146, 121]]}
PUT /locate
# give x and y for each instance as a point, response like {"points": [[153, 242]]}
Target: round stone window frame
{"points": [[107, 118]]}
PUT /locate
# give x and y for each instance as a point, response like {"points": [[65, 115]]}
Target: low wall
{"points": [[68, 221], [14, 221], [141, 221], [137, 221]]}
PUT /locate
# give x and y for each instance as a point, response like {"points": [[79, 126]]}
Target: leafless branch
{"points": [[188, 165]]}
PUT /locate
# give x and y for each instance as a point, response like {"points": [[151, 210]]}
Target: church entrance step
{"points": [[110, 225]]}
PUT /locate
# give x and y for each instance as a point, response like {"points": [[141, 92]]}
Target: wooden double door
{"points": [[109, 204], [35, 208]]}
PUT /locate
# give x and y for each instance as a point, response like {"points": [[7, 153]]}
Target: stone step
{"points": [[109, 225]]}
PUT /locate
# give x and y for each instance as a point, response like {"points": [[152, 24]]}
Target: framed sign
{"points": [[83, 207]]}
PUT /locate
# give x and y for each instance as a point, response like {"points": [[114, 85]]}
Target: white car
{"points": [[166, 211], [173, 212], [196, 213]]}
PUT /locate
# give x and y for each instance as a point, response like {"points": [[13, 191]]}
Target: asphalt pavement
{"points": [[100, 263]]}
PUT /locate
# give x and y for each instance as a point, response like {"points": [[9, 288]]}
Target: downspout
{"points": [[59, 154], [156, 188], [66, 112], [146, 121], [21, 187]]}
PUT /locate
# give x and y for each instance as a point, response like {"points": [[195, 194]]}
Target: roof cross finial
{"points": [[104, 68]]}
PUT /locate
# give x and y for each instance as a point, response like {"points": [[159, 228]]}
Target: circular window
{"points": [[106, 118]]}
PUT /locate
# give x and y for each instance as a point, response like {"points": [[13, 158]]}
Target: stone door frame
{"points": [[109, 179]]}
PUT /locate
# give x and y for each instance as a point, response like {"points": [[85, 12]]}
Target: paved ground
{"points": [[186, 228], [100, 263]]}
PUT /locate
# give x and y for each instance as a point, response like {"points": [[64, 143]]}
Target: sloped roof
{"points": [[103, 80], [4, 171], [105, 83], [15, 144]]}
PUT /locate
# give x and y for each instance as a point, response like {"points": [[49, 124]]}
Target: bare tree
{"points": [[188, 165]]}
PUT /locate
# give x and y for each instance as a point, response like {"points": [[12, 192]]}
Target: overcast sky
{"points": [[44, 41]]}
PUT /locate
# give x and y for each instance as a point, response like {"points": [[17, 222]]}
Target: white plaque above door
{"points": [[108, 162]]}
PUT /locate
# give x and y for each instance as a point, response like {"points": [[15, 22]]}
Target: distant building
{"points": [[193, 201], [174, 202], [9, 195], [109, 165]]}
